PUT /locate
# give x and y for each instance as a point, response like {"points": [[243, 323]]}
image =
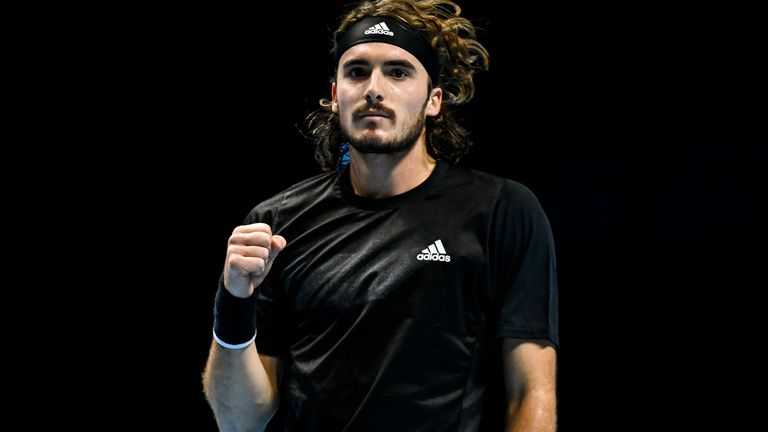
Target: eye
{"points": [[356, 72], [399, 73]]}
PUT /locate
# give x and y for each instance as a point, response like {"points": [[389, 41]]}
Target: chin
{"points": [[372, 139]]}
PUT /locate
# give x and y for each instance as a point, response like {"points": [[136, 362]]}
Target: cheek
{"points": [[343, 99], [412, 98], [346, 103], [342, 107]]}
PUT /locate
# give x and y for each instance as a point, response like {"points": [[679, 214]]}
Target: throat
{"points": [[379, 176]]}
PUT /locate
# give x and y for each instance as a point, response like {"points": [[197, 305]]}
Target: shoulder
{"points": [[311, 184], [267, 209], [484, 183], [516, 216]]}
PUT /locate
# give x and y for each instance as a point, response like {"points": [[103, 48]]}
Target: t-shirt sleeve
{"points": [[273, 310], [524, 268]]}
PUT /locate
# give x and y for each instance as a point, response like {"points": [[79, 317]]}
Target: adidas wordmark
{"points": [[434, 252], [380, 28]]}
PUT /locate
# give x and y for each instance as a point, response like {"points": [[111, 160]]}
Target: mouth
{"points": [[372, 113]]}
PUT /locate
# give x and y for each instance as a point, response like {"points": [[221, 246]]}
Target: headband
{"points": [[392, 31]]}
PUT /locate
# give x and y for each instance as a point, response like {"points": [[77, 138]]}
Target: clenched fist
{"points": [[250, 253]]}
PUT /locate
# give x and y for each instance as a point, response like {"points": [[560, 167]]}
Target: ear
{"points": [[334, 102], [434, 103]]}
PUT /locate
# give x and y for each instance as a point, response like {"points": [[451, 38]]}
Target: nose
{"points": [[373, 92]]}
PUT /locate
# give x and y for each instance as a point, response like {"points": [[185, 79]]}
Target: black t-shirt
{"points": [[387, 312]]}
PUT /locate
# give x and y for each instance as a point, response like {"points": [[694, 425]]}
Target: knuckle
{"points": [[261, 265], [239, 229], [235, 238], [233, 250], [263, 228], [235, 260], [259, 238], [255, 266]]}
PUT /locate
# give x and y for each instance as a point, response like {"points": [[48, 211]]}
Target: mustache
{"points": [[377, 106]]}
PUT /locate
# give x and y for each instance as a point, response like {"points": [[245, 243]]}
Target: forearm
{"points": [[238, 389], [535, 412]]}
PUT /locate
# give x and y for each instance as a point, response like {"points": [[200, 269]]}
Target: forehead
{"points": [[379, 52]]}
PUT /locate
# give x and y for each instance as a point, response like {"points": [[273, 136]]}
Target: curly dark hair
{"points": [[461, 55]]}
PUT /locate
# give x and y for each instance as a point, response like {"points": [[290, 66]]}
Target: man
{"points": [[381, 295]]}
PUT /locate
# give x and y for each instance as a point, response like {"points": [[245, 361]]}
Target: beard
{"points": [[400, 143]]}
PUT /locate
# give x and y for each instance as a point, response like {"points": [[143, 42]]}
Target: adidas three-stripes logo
{"points": [[434, 252], [379, 28]]}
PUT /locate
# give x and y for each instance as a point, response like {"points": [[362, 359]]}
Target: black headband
{"points": [[392, 31]]}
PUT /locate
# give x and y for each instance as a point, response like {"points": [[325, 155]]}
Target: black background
{"points": [[641, 129]]}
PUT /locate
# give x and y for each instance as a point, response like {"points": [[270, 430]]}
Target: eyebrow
{"points": [[360, 62]]}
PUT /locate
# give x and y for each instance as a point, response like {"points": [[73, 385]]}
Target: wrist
{"points": [[234, 319]]}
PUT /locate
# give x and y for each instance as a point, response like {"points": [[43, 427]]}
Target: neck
{"points": [[386, 175]]}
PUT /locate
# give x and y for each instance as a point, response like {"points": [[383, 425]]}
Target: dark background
{"points": [[642, 132]]}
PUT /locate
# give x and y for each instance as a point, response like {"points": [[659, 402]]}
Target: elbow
{"points": [[237, 419], [266, 406], [237, 413], [267, 410], [532, 410]]}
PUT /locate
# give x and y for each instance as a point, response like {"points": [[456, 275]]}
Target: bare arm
{"points": [[241, 385], [529, 375]]}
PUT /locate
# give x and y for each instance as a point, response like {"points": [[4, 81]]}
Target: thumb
{"points": [[278, 244]]}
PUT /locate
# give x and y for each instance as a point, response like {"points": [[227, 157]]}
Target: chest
{"points": [[344, 259]]}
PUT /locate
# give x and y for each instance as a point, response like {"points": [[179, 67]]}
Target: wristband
{"points": [[234, 319]]}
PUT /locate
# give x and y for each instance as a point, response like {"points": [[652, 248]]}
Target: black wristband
{"points": [[234, 318]]}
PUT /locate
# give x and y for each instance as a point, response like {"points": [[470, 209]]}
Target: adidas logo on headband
{"points": [[379, 28]]}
